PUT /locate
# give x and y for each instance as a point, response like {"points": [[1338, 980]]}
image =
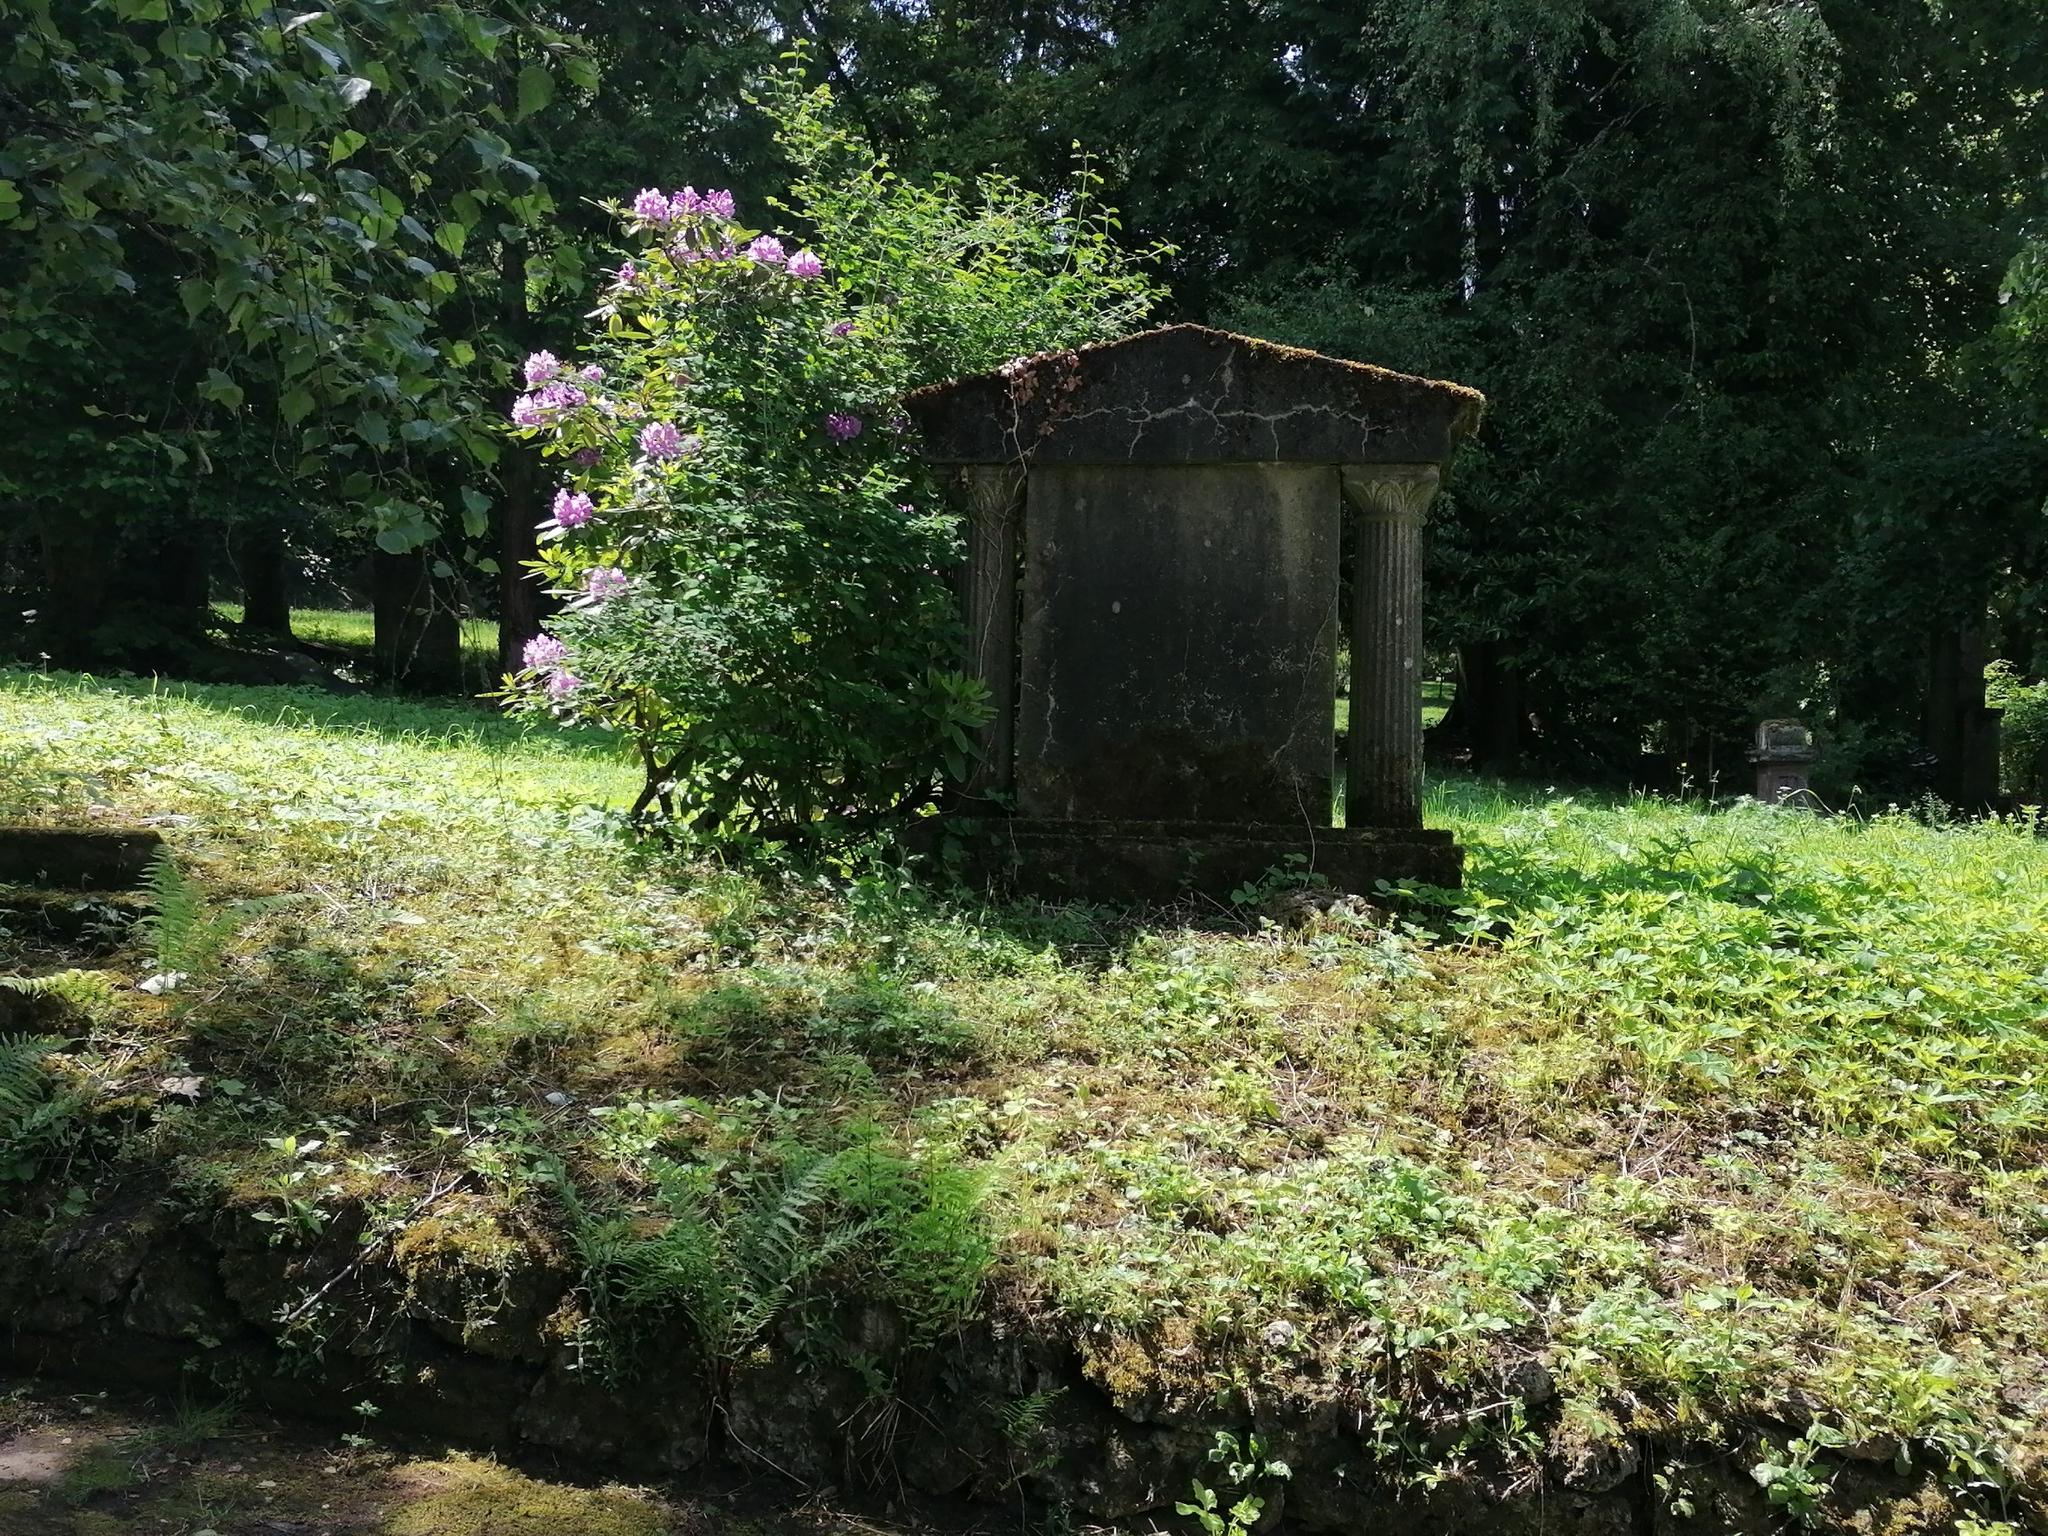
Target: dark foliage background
{"points": [[1755, 290]]}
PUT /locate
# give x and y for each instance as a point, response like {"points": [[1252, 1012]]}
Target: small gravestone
{"points": [[1783, 757], [1155, 529]]}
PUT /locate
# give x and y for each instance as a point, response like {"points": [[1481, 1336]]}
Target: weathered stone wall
{"points": [[470, 1351]]}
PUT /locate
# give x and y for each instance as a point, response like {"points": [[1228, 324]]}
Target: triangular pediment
{"points": [[1186, 394]]}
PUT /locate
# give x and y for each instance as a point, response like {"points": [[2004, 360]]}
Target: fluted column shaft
{"points": [[1386, 503], [994, 498]]}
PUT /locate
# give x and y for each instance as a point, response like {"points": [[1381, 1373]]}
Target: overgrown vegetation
{"points": [[749, 552], [1723, 1124]]}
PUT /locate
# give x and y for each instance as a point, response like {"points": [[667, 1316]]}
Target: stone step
{"points": [[33, 1013], [77, 859]]}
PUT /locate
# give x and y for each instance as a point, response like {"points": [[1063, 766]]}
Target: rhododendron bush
{"points": [[753, 564]]}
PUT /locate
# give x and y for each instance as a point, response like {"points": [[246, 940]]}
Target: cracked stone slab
{"points": [[1179, 636]]}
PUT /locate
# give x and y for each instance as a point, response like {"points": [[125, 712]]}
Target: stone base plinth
{"points": [[1162, 860]]}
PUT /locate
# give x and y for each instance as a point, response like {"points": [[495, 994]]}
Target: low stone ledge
{"points": [[1166, 860], [68, 859]]}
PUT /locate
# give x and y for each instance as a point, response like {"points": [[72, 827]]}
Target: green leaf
{"points": [[581, 70], [142, 10], [295, 406], [185, 42], [490, 149], [536, 89], [221, 389], [344, 144], [452, 237], [476, 507], [402, 527]]}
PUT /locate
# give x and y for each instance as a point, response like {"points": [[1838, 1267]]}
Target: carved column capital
{"points": [[1397, 492]]}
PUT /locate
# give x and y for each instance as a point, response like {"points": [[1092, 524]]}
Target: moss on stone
{"points": [[468, 1496], [463, 1234]]}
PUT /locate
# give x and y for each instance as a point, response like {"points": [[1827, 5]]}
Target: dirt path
{"points": [[86, 1464]]}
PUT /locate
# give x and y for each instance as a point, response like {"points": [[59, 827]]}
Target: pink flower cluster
{"points": [[660, 440], [718, 204], [549, 657], [573, 509], [605, 581], [548, 404], [544, 653], [662, 210], [841, 427]]}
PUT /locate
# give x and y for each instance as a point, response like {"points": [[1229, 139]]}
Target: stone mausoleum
{"points": [[1155, 532]]}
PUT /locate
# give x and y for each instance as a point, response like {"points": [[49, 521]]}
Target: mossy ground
{"points": [[1722, 1124]]}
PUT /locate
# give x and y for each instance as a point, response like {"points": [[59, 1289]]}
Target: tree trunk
{"points": [[522, 602], [264, 564], [135, 598], [1489, 706], [418, 640], [75, 599], [1957, 727]]}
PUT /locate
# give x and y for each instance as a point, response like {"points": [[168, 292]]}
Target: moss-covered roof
{"points": [[1192, 394]]}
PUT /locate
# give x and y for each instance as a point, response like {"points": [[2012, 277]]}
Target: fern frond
{"points": [[24, 1080], [178, 910], [185, 932]]}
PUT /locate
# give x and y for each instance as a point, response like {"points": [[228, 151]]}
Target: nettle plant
{"points": [[752, 560]]}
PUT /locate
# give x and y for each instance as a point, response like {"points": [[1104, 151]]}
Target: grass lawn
{"points": [[352, 629], [1680, 1122]]}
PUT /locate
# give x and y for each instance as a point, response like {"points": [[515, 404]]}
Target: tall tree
{"points": [[244, 223]]}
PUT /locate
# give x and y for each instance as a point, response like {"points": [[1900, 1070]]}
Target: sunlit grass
{"points": [[354, 629]]}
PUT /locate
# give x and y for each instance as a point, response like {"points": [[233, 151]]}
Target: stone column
{"points": [[1383, 786], [994, 497]]}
